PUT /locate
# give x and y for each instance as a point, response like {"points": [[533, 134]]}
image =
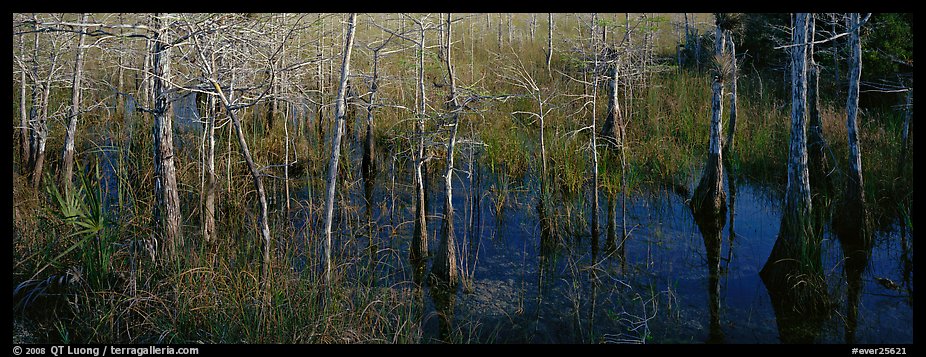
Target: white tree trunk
{"points": [[336, 142], [854, 219], [549, 41]]}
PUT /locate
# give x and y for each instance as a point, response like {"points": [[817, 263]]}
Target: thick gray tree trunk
{"points": [[444, 269], [167, 211], [796, 253], [65, 175], [336, 141], [797, 205], [709, 197]]}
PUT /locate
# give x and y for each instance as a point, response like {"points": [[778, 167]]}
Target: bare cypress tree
{"points": [[338, 131], [65, 175], [709, 197], [167, 211], [816, 143], [853, 222], [444, 269]]}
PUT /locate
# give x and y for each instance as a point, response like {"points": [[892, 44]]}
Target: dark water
{"points": [[667, 288], [659, 293]]}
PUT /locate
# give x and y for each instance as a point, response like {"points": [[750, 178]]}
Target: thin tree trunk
{"points": [[369, 165], [34, 108], [65, 175], [533, 28], [445, 268], [595, 229], [835, 53], [25, 151], [120, 72], [549, 42], [419, 248], [500, 34], [209, 209], [908, 109], [336, 141], [854, 218], [688, 48], [709, 197], [440, 36], [264, 282], [165, 173], [41, 125], [734, 78], [319, 75], [510, 30], [816, 143], [41, 131]]}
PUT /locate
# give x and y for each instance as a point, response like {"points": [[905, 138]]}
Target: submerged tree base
{"points": [[793, 276], [709, 199]]}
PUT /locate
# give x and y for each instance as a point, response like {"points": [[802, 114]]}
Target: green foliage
{"points": [[886, 39]]}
